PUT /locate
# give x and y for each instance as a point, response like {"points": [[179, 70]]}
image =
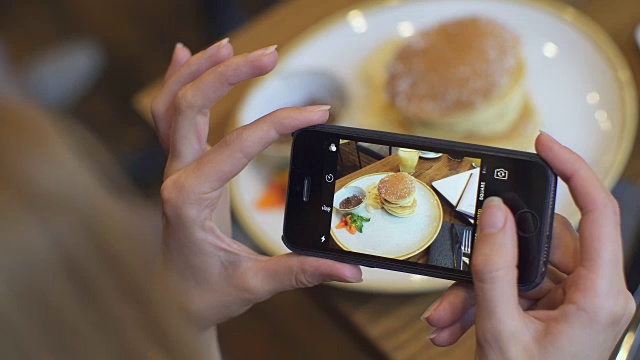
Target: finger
{"points": [[451, 306], [163, 107], [449, 335], [181, 54], [565, 246], [293, 271], [552, 300], [197, 65], [459, 299], [162, 119], [228, 157], [191, 125], [600, 246], [552, 279], [494, 268]]}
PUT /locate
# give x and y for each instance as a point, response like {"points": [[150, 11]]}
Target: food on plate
{"points": [[349, 198], [466, 74], [373, 201], [352, 223], [350, 202], [275, 195], [463, 80], [397, 193]]}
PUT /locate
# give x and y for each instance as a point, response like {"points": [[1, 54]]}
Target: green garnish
{"points": [[358, 220]]}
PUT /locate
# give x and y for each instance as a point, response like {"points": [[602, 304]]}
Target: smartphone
{"points": [[410, 203]]}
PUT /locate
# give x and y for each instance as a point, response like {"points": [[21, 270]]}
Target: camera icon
{"points": [[501, 174]]}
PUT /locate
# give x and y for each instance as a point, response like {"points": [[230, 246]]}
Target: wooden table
{"points": [[389, 322]]}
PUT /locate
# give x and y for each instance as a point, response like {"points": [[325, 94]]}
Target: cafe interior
{"points": [[85, 74]]}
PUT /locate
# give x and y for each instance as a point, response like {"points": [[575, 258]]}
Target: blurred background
{"points": [[84, 61], [87, 59]]}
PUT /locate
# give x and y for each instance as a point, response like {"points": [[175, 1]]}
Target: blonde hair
{"points": [[77, 262]]}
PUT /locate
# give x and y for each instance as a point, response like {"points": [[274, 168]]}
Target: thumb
{"points": [[293, 271], [494, 267]]}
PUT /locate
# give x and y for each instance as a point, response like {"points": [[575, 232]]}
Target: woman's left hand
{"points": [[220, 277]]}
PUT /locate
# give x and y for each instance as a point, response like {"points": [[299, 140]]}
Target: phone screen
{"points": [[412, 203], [406, 204]]}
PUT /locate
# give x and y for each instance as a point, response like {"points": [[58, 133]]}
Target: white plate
{"points": [[391, 236], [429, 155], [579, 82]]}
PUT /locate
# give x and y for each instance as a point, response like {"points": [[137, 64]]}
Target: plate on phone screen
{"points": [[391, 236], [429, 154], [578, 82]]}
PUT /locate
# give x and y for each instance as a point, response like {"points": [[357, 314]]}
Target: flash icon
{"points": [[333, 147]]}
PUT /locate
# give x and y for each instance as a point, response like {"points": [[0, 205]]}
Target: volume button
{"points": [[306, 189]]}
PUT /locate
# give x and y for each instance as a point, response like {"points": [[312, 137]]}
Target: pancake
{"points": [[404, 211], [521, 135], [397, 187], [466, 73], [397, 194], [402, 204], [488, 128]]}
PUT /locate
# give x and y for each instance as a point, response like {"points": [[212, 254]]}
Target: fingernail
{"points": [[262, 52], [317, 107], [545, 133], [353, 277], [179, 45], [213, 48], [430, 310], [492, 217], [435, 333]]}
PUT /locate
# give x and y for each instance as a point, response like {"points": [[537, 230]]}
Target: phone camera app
{"points": [[501, 174], [405, 204]]}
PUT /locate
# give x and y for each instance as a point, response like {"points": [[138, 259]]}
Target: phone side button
{"points": [[306, 189], [527, 222]]}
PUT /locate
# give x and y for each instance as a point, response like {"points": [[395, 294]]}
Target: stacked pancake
{"points": [[397, 192], [461, 80]]}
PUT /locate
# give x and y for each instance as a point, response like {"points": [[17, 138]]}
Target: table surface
{"points": [[390, 322]]}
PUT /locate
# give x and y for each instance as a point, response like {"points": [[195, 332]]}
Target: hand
{"points": [[581, 308], [220, 277]]}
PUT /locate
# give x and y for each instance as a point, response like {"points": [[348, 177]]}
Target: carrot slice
{"points": [[274, 196], [341, 225], [352, 229], [281, 179]]}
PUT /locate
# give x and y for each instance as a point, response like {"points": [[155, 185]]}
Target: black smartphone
{"points": [[410, 203]]}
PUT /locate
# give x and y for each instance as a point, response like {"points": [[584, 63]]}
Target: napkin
{"points": [[467, 203], [446, 244], [452, 187]]}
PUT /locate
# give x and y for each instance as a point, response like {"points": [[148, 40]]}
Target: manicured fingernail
{"points": [[430, 310], [262, 52], [546, 134], [317, 108], [213, 48], [492, 218], [179, 45], [435, 333]]}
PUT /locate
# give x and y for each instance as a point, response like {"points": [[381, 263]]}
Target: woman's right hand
{"points": [[581, 308]]}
